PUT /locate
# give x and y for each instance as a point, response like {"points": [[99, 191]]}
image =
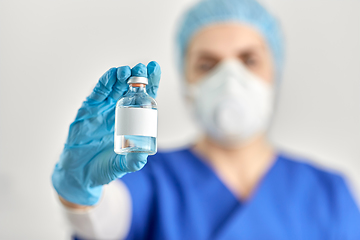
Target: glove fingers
{"points": [[91, 129], [119, 165], [120, 87], [103, 87], [132, 162], [139, 70], [104, 167], [93, 121], [107, 166], [154, 74]]}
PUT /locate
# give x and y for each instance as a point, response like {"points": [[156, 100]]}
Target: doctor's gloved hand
{"points": [[88, 160]]}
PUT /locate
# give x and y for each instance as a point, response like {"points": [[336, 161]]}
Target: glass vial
{"points": [[136, 120]]}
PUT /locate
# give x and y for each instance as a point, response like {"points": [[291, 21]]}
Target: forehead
{"points": [[225, 39]]}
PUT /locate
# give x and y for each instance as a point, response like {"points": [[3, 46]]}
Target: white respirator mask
{"points": [[232, 104]]}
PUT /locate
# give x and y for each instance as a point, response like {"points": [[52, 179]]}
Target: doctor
{"points": [[232, 183]]}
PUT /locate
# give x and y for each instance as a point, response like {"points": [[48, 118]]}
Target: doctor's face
{"points": [[225, 41]]}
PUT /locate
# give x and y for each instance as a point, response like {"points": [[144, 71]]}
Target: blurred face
{"points": [[225, 41], [234, 103]]}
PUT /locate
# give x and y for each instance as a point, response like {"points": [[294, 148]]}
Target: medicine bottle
{"points": [[136, 120]]}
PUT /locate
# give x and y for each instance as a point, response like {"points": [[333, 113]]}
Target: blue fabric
{"points": [[178, 196], [208, 12]]}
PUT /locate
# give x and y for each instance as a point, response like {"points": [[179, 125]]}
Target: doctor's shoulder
{"points": [[323, 190], [303, 171]]}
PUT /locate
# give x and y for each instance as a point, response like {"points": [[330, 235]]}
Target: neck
{"points": [[240, 167]]}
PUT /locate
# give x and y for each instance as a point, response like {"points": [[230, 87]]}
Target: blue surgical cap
{"points": [[250, 12]]}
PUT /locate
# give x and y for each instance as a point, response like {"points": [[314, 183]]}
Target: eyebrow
{"points": [[208, 55], [257, 47]]}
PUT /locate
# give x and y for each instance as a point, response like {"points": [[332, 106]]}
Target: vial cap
{"points": [[135, 79]]}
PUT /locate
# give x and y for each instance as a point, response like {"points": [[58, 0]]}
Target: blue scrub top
{"points": [[178, 196]]}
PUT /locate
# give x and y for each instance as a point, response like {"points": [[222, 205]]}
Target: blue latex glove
{"points": [[88, 160]]}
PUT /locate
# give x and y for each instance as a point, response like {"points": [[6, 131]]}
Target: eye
{"points": [[204, 67], [250, 61]]}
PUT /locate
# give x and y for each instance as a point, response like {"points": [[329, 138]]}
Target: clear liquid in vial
{"points": [[124, 144]]}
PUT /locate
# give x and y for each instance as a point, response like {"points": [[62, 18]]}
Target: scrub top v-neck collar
{"points": [[209, 169], [241, 207]]}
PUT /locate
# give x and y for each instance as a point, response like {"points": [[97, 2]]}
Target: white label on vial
{"points": [[136, 121]]}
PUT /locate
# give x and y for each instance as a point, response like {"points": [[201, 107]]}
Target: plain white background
{"points": [[53, 52]]}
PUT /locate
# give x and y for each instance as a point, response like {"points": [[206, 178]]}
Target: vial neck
{"points": [[137, 87]]}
